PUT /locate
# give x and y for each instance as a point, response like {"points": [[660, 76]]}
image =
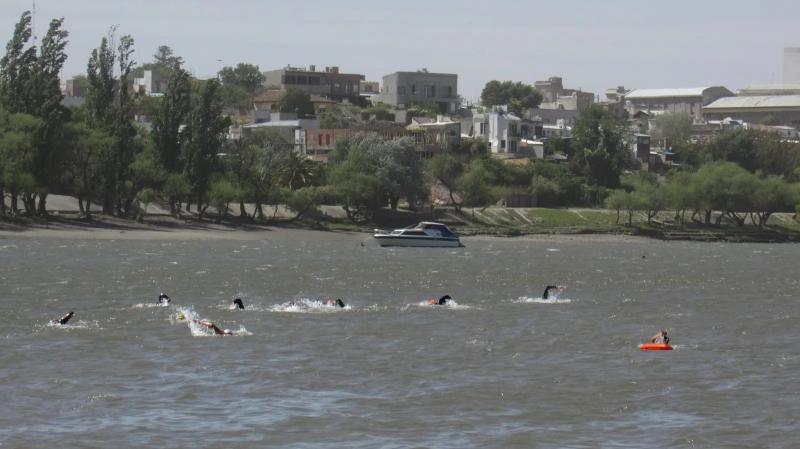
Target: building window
{"points": [[483, 128], [413, 89], [401, 90], [328, 139], [320, 139], [503, 144], [313, 80], [302, 80], [430, 91], [449, 91]]}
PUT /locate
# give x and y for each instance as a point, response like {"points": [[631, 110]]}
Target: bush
{"points": [[221, 194]]}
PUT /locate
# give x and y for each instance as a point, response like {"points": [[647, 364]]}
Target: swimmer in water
{"points": [[163, 298], [661, 337], [213, 327], [440, 302], [238, 303], [547, 289], [338, 302], [63, 320]]}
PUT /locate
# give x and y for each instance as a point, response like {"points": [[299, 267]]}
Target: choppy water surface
{"points": [[501, 368]]}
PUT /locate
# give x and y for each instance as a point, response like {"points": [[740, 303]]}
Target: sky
{"points": [[592, 45]]}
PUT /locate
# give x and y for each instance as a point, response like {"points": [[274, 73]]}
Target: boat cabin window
{"points": [[414, 232], [441, 228]]}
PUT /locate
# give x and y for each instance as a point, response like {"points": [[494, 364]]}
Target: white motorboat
{"points": [[426, 233]]}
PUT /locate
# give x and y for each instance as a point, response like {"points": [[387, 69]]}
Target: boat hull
{"points": [[439, 242]]}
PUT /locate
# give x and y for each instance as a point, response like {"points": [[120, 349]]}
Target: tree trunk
{"points": [[242, 211], [41, 209], [259, 212], [80, 206], [14, 203], [127, 207], [617, 222], [630, 218], [708, 217], [29, 201], [2, 201]]}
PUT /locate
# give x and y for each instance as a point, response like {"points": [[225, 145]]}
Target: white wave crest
{"points": [[305, 305], [450, 304], [74, 325], [530, 300]]}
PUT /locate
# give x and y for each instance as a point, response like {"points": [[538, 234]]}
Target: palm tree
{"points": [[297, 171]]}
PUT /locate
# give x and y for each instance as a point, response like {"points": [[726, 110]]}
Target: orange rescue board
{"points": [[655, 347]]}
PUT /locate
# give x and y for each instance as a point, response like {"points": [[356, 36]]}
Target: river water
{"points": [[500, 368]]}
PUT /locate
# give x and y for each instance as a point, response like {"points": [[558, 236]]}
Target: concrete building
{"points": [[558, 131], [370, 88], [555, 96], [553, 116], [501, 130], [791, 65], [329, 84], [291, 128], [75, 87], [430, 140], [687, 100], [769, 89], [266, 103], [784, 109], [404, 89], [150, 84]]}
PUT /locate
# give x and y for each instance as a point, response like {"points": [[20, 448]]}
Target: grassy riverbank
{"points": [[493, 221], [522, 221]]}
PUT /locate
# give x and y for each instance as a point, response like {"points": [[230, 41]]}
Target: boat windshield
{"points": [[441, 228]]}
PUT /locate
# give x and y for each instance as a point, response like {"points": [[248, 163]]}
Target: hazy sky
{"points": [[593, 45]]}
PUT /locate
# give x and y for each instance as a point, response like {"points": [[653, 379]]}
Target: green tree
{"points": [[446, 169], [648, 194], [598, 149], [46, 97], [296, 171], [622, 200], [772, 194], [109, 102], [18, 139], [296, 101], [475, 183], [172, 115], [673, 129], [89, 146], [246, 76], [17, 69], [239, 83], [221, 194], [517, 95], [207, 133]]}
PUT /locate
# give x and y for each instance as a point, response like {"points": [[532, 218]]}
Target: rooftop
{"points": [[755, 102], [667, 93]]}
